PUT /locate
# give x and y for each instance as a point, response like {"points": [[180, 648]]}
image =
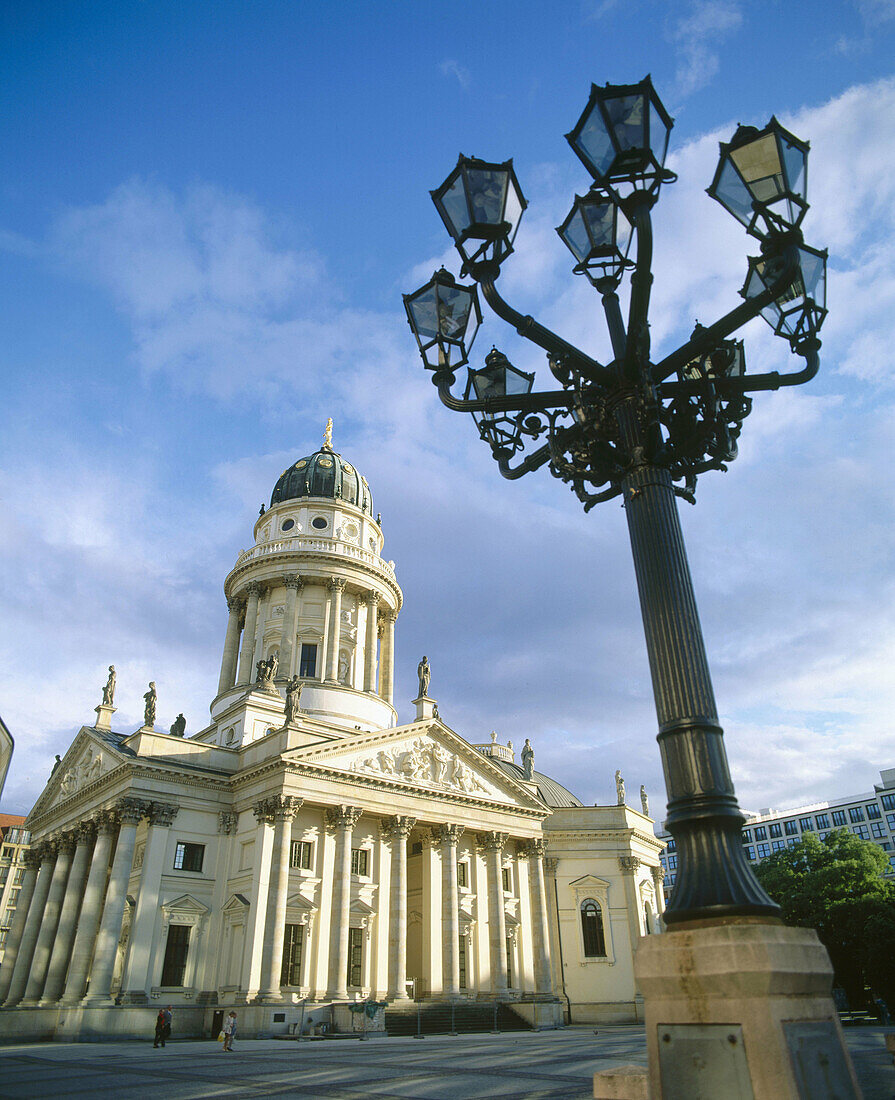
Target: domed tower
{"points": [[315, 591]]}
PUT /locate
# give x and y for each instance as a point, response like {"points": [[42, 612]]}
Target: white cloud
{"points": [[450, 67], [697, 36]]}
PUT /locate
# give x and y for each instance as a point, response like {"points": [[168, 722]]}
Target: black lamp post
{"points": [[636, 428]]}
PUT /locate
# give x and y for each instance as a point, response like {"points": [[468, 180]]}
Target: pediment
{"points": [[88, 759], [361, 907], [186, 905], [589, 882], [236, 903], [427, 757], [299, 901]]}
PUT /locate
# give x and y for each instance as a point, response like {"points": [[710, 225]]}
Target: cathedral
{"points": [[307, 850]]}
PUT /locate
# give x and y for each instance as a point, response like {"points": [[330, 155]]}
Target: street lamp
{"points": [[643, 430]]}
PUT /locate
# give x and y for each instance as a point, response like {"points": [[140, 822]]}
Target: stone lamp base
{"points": [[741, 1010]]}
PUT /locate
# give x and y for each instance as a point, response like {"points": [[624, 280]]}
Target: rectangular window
{"points": [[750, 853], [509, 962], [792, 842], [805, 824], [307, 665], [761, 833], [188, 857], [747, 836], [4, 875], [888, 801], [672, 844], [463, 877], [775, 829], [6, 921], [13, 898], [18, 876], [462, 953], [823, 821], [855, 814], [359, 861], [763, 850], [176, 950], [672, 863], [839, 817], [892, 862], [862, 831], [669, 881], [873, 812], [791, 828], [890, 819], [355, 957], [4, 932], [300, 855], [886, 846], [822, 836], [6, 854], [877, 830], [507, 881], [778, 845], [292, 944]]}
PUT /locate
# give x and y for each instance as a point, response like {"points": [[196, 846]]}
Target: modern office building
{"points": [[14, 844], [870, 816]]}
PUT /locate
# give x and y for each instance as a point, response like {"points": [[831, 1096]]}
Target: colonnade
{"points": [[242, 645], [278, 812], [63, 942]]}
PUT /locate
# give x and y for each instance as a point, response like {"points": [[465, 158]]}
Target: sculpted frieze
{"points": [[425, 763]]}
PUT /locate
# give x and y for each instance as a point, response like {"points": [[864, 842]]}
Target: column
{"points": [[336, 587], [387, 657], [280, 810], [31, 859], [137, 980], [231, 647], [247, 653], [370, 643], [44, 946], [447, 836], [497, 920], [129, 811], [342, 819], [68, 917], [658, 876], [105, 824], [294, 585], [629, 865], [396, 830], [47, 854], [536, 850]]}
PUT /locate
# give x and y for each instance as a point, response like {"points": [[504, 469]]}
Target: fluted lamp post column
{"points": [[644, 430]]}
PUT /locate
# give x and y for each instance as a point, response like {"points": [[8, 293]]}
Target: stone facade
{"points": [[337, 856]]}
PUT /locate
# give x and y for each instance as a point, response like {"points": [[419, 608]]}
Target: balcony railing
{"points": [[309, 544]]}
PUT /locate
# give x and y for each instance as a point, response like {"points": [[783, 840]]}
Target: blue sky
{"points": [[208, 213]]}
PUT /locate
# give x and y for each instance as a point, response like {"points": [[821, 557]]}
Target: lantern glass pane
{"points": [[595, 143], [513, 210], [575, 235], [795, 161], [760, 166], [424, 311], [813, 276], [627, 117], [454, 304], [658, 135], [732, 193], [486, 190], [600, 223], [454, 202]]}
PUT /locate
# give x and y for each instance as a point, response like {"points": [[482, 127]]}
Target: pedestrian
{"points": [[159, 1029], [169, 1016], [229, 1031]]}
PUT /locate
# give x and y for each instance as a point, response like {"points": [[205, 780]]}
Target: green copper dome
{"points": [[323, 474]]}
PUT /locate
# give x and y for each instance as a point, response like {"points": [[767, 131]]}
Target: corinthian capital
{"points": [[533, 849], [446, 834], [254, 589], [397, 827], [162, 813], [130, 811], [493, 841], [373, 599], [343, 817], [336, 584], [293, 580], [628, 863]]}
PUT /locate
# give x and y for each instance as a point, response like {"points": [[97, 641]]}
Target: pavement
{"points": [[510, 1066]]}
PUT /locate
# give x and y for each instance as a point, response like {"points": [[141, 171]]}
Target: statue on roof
{"points": [[178, 726], [644, 800], [620, 788], [150, 699], [424, 673], [109, 689], [528, 756], [293, 697], [328, 435]]}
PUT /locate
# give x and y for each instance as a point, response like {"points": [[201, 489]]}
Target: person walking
{"points": [[229, 1031], [159, 1029]]}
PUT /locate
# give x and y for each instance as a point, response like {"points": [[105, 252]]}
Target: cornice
{"points": [[296, 557]]}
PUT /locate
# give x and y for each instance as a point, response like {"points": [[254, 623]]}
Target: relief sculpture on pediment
{"points": [[422, 762]]}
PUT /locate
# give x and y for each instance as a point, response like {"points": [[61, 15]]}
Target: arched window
{"points": [[592, 930], [647, 918]]}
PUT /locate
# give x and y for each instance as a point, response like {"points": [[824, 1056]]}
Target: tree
{"points": [[837, 886]]}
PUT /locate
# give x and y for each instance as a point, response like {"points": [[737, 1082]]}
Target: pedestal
{"points": [[104, 714], [739, 1010], [425, 708]]}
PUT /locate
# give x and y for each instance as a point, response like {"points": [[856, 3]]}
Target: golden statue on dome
{"points": [[328, 436]]}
